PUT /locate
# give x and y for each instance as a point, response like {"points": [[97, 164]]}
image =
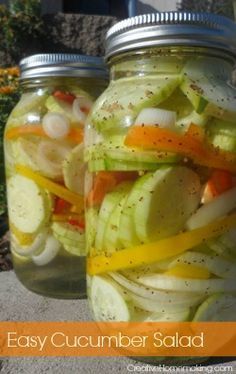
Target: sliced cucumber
{"points": [[193, 117], [112, 164], [29, 205], [68, 232], [108, 300], [91, 215], [123, 99], [34, 247], [49, 252], [109, 203], [29, 102], [205, 86], [217, 208], [162, 216], [220, 308], [222, 134], [111, 235], [127, 233], [73, 168]]}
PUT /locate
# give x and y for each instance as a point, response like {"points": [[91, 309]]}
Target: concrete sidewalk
{"points": [[18, 304]]}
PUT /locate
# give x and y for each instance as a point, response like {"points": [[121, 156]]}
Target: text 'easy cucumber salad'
{"points": [[161, 202], [45, 183]]}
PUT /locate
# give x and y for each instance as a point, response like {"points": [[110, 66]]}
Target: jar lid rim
{"points": [[169, 29], [62, 64]]}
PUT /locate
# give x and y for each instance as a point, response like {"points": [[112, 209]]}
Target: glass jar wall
{"points": [[161, 153], [45, 171]]}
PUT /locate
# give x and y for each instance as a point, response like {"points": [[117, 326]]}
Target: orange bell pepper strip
{"points": [[160, 250], [104, 182], [220, 181], [76, 134], [190, 145]]}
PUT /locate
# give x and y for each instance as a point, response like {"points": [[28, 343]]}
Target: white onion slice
{"points": [[175, 284], [217, 208], [56, 125], [52, 247], [156, 117], [50, 157], [150, 292], [174, 303], [80, 107], [27, 250]]}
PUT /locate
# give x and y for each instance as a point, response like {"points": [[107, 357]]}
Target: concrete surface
{"points": [[18, 304]]}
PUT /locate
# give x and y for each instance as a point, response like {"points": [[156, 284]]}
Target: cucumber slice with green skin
{"points": [[108, 204], [206, 88], [69, 242], [222, 134], [111, 164], [73, 169], [162, 216], [123, 100], [68, 232], [111, 235], [91, 215], [29, 102], [108, 301], [195, 118], [127, 233], [221, 308], [78, 250], [29, 205]]}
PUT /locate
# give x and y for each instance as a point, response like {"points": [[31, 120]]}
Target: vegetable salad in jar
{"points": [[161, 153], [45, 171]]}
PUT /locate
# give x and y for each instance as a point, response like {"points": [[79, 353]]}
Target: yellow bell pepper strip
{"points": [[188, 271], [52, 187], [76, 134], [23, 238], [190, 145], [160, 250]]}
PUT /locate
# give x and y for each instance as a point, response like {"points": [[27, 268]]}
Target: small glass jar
{"points": [[161, 152], [45, 171]]}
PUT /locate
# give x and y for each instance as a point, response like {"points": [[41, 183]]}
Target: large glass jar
{"points": [[45, 171], [161, 152]]}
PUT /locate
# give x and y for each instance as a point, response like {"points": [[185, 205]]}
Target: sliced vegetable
{"points": [[49, 252], [108, 300], [50, 157], [29, 205], [64, 96], [74, 170], [74, 135], [53, 187], [110, 201], [29, 102], [167, 282], [161, 216], [160, 250], [34, 247], [218, 207], [188, 271], [156, 117], [222, 134], [150, 137], [220, 308], [72, 218], [180, 316], [56, 125], [61, 206], [72, 238], [55, 105], [105, 182], [127, 97], [81, 107], [219, 182]]}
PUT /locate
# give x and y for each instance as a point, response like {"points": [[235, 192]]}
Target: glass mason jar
{"points": [[161, 153], [45, 171]]}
